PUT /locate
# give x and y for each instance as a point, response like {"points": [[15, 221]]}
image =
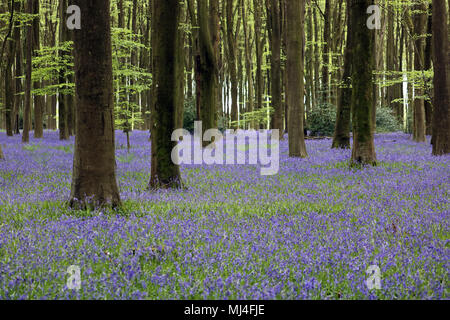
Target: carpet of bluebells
{"points": [[309, 232]]}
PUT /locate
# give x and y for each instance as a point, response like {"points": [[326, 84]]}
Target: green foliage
{"points": [[257, 117], [322, 120], [386, 120], [128, 78], [47, 66]]}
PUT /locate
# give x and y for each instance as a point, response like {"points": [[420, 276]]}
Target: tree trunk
{"points": [[167, 69], [325, 56], [62, 98], [363, 40], [206, 71], [8, 87], [295, 82], [248, 65], [18, 99], [259, 44], [427, 66], [341, 137], [27, 107], [441, 102], [94, 177], [231, 41], [419, 51], [310, 101], [274, 24], [316, 58], [38, 99]]}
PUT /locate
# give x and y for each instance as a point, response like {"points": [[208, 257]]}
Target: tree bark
{"points": [[38, 99], [206, 71], [62, 98], [8, 85], [341, 137], [295, 82], [166, 91], [325, 53], [363, 40], [94, 167], [419, 51], [18, 100], [27, 107], [441, 102], [427, 66], [231, 41], [274, 24]]}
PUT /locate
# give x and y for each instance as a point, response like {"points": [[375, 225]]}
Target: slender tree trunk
{"points": [[259, 43], [309, 56], [94, 167], [419, 52], [325, 53], [8, 87], [363, 40], [295, 82], [27, 108], [62, 98], [316, 58], [231, 41], [441, 102], [18, 99], [38, 99], [248, 65], [427, 66], [390, 55], [167, 71]]}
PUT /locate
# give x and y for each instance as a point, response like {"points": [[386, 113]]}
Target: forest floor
{"points": [[309, 232]]}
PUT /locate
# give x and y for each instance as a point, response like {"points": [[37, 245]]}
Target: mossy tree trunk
{"points": [[167, 70], [94, 167], [295, 81], [363, 40]]}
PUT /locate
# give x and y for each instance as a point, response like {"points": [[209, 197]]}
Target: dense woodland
{"points": [[321, 67]]}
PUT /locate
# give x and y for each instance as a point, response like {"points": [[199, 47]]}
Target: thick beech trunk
{"points": [[94, 166], [363, 40], [167, 70]]}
